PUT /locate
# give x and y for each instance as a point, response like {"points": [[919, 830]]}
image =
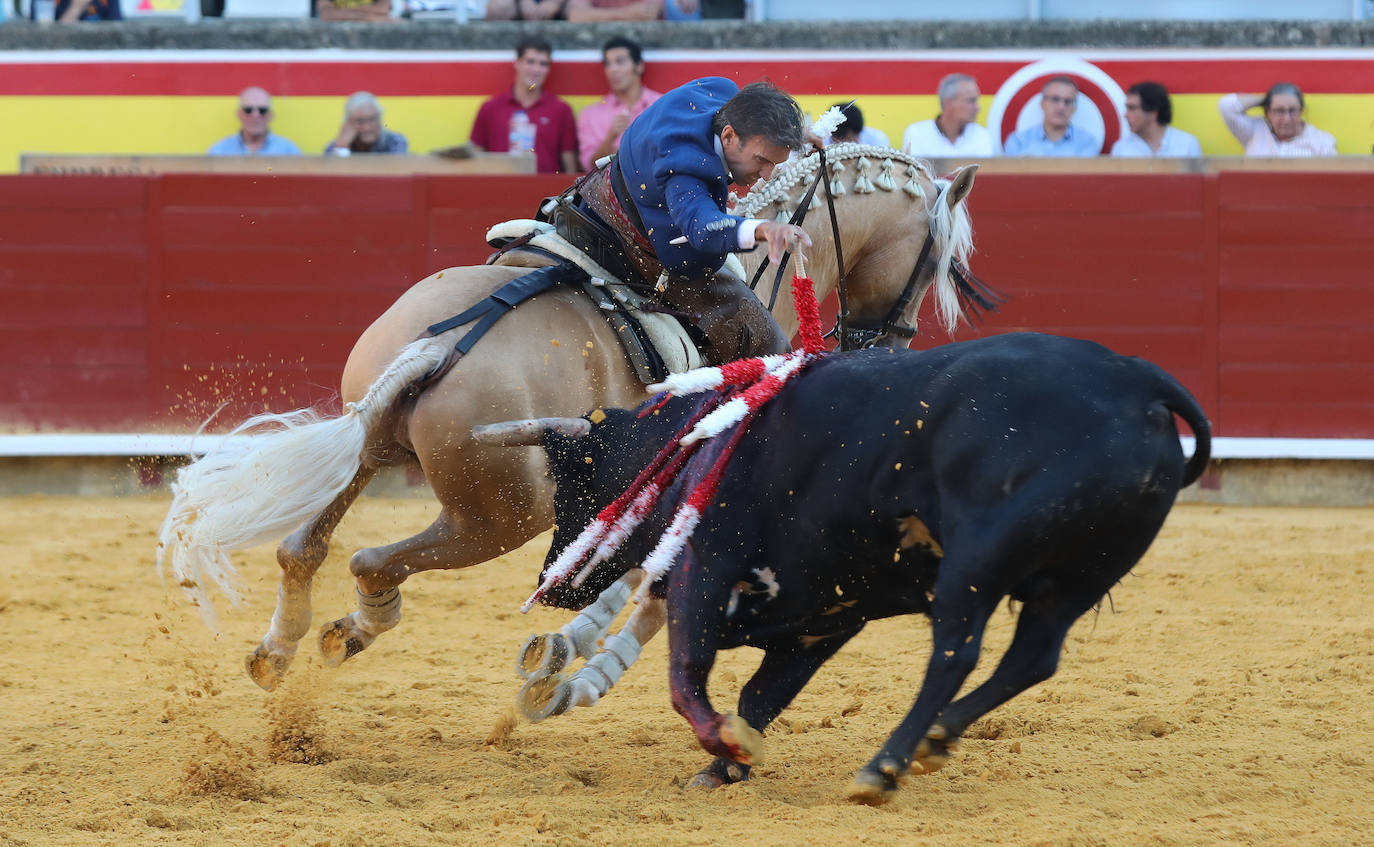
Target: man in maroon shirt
{"points": [[527, 119]]}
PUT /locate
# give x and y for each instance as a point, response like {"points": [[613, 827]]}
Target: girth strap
{"points": [[487, 311]]}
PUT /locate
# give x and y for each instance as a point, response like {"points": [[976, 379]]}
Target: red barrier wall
{"points": [[141, 303]]}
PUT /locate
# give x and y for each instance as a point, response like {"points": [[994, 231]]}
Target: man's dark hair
{"points": [[533, 42], [1154, 98], [761, 108], [636, 52], [853, 122]]}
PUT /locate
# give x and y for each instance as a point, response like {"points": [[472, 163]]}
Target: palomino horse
{"points": [[555, 355]]}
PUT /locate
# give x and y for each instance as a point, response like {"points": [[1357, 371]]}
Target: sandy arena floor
{"points": [[1226, 699]]}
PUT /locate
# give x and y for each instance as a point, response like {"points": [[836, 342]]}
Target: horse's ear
{"points": [[960, 185]]}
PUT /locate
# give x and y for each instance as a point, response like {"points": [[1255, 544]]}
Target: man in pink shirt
{"points": [[601, 124], [526, 119]]}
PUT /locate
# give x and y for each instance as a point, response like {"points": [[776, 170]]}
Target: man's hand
{"points": [[346, 135], [781, 238]]}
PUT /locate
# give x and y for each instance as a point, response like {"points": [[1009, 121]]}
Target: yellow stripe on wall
{"points": [[189, 125]]}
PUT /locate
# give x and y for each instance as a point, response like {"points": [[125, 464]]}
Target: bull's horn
{"points": [[528, 432]]}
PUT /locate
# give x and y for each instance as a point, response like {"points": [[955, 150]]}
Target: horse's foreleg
{"points": [[550, 652], [299, 556], [446, 544], [546, 695]]}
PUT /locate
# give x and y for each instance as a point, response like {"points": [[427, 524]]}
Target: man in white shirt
{"points": [[953, 131], [853, 130], [1148, 114]]}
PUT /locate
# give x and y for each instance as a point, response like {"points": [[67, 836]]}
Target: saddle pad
{"points": [[665, 333]]}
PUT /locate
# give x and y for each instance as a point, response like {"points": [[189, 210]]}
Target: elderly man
{"points": [[600, 125], [953, 131], [1148, 114], [362, 130], [255, 138], [1056, 135]]}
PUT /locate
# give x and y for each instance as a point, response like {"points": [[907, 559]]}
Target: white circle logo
{"points": [[1101, 102]]}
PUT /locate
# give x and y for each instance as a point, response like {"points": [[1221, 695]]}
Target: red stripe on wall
{"points": [[481, 78]]}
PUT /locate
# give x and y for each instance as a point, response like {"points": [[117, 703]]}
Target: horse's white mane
{"points": [[778, 189], [951, 228]]}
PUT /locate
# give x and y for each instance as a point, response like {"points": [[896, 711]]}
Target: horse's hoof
{"points": [[267, 667], [745, 742], [872, 788], [543, 697], [340, 641], [543, 655]]}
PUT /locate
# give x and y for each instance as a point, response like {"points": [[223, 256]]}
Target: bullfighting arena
{"points": [[1222, 697]]}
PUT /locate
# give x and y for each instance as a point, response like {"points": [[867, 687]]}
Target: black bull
{"points": [[890, 482]]}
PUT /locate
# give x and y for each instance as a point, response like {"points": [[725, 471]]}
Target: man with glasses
{"points": [[256, 137], [1056, 136], [362, 130]]}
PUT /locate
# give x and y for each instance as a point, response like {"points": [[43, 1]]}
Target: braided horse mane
{"points": [[951, 229]]}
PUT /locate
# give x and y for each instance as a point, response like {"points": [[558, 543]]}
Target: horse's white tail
{"points": [[272, 473], [953, 233]]}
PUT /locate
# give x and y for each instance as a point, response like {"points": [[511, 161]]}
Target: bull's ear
{"points": [[960, 185]]}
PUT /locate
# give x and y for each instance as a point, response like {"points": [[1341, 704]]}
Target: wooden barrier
{"points": [[143, 303]]}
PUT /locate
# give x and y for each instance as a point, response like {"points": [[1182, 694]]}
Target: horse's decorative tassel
{"points": [[862, 184], [913, 187], [885, 180], [815, 201], [836, 184]]}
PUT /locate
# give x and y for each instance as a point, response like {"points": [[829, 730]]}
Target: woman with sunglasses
{"points": [[1282, 131], [256, 137]]}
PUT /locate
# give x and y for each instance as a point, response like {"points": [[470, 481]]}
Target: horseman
{"points": [[655, 214]]}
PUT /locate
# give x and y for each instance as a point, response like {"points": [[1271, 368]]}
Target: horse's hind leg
{"points": [[448, 543], [299, 556]]}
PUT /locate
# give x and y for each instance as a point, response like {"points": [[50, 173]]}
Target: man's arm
{"points": [[568, 159], [582, 11], [74, 10]]}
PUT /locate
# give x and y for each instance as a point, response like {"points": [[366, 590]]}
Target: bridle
{"points": [[972, 292]]}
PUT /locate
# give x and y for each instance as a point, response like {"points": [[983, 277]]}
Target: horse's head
{"points": [[888, 206]]}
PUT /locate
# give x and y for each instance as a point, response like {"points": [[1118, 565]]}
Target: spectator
{"points": [[1282, 131], [353, 10], [1056, 136], [600, 125], [528, 119], [664, 196], [1148, 113], [590, 11], [853, 130], [68, 11], [526, 10], [256, 137], [362, 130], [953, 132], [682, 10]]}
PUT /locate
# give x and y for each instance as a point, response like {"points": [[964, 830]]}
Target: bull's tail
{"points": [[270, 475], [1181, 402]]}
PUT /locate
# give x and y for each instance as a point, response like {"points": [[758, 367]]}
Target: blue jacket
{"points": [[678, 181]]}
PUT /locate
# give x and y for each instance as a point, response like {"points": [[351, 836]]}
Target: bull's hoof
{"points": [[341, 640], [543, 697], [873, 788], [718, 773], [268, 663], [543, 655], [744, 742], [934, 751]]}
